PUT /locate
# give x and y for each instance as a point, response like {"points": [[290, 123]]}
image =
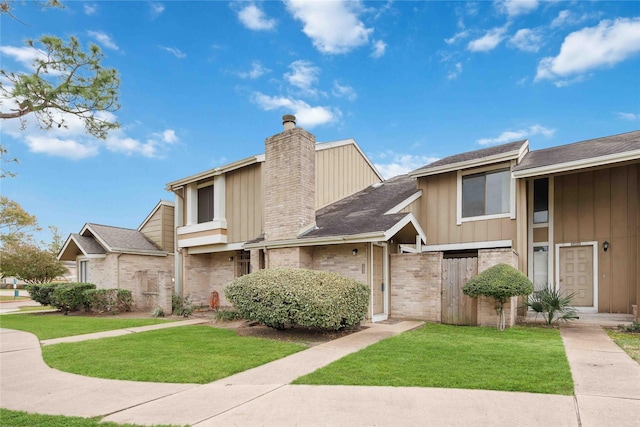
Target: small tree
{"points": [[15, 222], [500, 282], [29, 263]]}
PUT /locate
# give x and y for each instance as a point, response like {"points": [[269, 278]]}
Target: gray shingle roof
{"points": [[473, 155], [122, 239], [364, 212], [88, 245], [583, 150]]}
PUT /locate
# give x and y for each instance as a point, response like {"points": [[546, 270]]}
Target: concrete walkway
{"points": [[607, 391]]}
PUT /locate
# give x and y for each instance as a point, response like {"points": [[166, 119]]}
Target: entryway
{"points": [[576, 265]]}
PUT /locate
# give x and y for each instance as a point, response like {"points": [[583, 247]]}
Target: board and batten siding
{"points": [[341, 171], [244, 203], [159, 228], [438, 214], [602, 205]]}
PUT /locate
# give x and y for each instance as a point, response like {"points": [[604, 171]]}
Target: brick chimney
{"points": [[289, 181]]}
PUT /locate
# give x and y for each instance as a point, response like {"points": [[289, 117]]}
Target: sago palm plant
{"points": [[552, 305]]}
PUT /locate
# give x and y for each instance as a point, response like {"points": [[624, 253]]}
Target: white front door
{"points": [[378, 285]]}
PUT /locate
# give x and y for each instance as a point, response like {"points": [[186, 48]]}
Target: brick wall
{"points": [[289, 183], [486, 307], [205, 273], [416, 283], [300, 257], [139, 274], [340, 259]]}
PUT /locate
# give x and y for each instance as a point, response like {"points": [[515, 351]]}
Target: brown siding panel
{"points": [[340, 172], [602, 205]]}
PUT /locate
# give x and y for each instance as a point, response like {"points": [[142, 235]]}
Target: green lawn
{"points": [[12, 298], [56, 325], [629, 342], [23, 419], [188, 354], [518, 359]]}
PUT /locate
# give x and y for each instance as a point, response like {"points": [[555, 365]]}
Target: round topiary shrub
{"points": [[297, 297], [499, 282]]}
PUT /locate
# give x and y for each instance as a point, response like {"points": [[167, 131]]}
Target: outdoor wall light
{"points": [[230, 258], [355, 251], [605, 246]]}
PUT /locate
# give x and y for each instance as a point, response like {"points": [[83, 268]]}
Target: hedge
{"points": [[297, 297]]}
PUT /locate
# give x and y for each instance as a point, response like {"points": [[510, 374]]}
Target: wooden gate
{"points": [[457, 308]]}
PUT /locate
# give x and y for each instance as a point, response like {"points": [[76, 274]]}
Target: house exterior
{"points": [[139, 260], [556, 214], [318, 206]]}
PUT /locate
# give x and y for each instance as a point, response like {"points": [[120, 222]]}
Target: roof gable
{"points": [[365, 211], [579, 155], [499, 153], [116, 239]]}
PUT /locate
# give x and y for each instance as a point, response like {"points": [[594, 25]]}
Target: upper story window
{"points": [[486, 193], [205, 204], [541, 201]]}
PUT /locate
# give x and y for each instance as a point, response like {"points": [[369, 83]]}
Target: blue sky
{"points": [[204, 83]]}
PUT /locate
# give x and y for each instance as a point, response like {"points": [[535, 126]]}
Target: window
{"points": [[486, 193], [205, 204], [540, 267], [243, 263], [83, 275], [541, 201]]}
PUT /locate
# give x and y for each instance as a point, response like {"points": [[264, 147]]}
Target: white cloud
{"points": [[71, 141], [103, 39], [332, 26], [513, 8], [457, 36], [340, 91], [257, 70], [391, 164], [255, 19], [527, 40], [90, 9], [174, 51], [489, 41], [516, 135], [25, 55], [169, 136], [379, 48], [306, 115], [453, 74], [628, 116], [303, 75], [606, 44], [156, 9], [567, 17], [68, 148]]}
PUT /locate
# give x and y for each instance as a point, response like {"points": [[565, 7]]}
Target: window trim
{"points": [[512, 193]]}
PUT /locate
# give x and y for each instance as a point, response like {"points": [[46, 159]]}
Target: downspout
{"points": [[118, 269], [177, 222]]}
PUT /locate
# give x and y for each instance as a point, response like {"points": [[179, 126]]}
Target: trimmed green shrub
{"points": [[124, 300], [499, 282], [42, 293], [112, 300], [227, 315], [70, 296], [181, 306], [298, 297]]}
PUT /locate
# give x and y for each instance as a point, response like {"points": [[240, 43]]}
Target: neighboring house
{"points": [[301, 204], [566, 216], [140, 261]]}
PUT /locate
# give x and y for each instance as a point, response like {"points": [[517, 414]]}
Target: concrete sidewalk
{"points": [[263, 395]]}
